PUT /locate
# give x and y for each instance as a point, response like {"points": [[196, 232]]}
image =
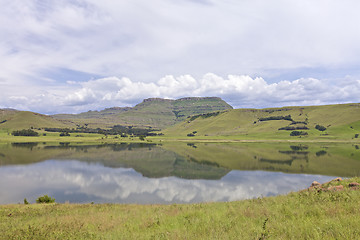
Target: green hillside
{"points": [[341, 121], [152, 112], [12, 119]]}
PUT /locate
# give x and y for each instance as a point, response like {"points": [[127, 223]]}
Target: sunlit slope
{"points": [[341, 120], [26, 120]]}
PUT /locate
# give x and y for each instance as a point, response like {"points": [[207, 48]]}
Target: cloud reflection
{"points": [[76, 181]]}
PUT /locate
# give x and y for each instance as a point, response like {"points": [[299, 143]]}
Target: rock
{"points": [[338, 179], [336, 188], [315, 184], [354, 184]]}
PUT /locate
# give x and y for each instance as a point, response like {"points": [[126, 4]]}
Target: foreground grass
{"points": [[303, 215]]}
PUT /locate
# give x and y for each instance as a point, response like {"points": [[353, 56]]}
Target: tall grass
{"points": [[303, 215]]}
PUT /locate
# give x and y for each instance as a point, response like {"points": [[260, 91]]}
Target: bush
{"points": [[64, 134], [25, 132], [45, 199], [26, 201], [190, 135], [356, 135], [288, 118], [320, 128], [141, 138], [298, 133]]}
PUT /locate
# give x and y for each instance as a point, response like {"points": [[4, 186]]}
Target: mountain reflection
{"points": [[76, 181], [168, 173], [148, 159]]}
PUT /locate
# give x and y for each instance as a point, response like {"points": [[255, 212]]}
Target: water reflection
{"points": [[149, 159], [323, 158], [179, 172], [76, 181]]}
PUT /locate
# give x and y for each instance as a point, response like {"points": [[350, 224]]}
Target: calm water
{"points": [[170, 173]]}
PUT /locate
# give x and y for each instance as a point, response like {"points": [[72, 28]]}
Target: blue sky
{"points": [[72, 56]]}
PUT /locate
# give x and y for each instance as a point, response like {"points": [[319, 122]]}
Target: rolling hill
{"points": [[334, 121], [14, 120]]}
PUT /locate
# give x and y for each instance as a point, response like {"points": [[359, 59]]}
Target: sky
{"points": [[71, 56]]}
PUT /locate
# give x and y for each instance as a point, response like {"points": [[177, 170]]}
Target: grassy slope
{"points": [[303, 215], [26, 120], [342, 121]]}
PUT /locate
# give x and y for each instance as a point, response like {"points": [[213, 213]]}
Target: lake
{"points": [[167, 173]]}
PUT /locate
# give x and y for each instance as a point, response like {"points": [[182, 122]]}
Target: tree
{"points": [[45, 199]]}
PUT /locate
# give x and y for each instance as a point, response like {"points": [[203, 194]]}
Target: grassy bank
{"points": [[100, 138], [305, 215]]}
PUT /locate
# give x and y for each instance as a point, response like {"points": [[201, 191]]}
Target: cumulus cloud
{"points": [[83, 182], [240, 91]]}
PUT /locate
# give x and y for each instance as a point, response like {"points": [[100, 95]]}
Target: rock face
{"points": [[336, 188], [338, 179], [315, 184], [354, 184]]}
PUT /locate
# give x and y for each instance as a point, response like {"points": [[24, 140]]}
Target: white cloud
{"points": [[146, 40], [183, 41], [239, 90], [66, 180]]}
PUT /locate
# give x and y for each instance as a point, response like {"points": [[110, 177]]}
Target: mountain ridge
{"points": [[156, 113]]}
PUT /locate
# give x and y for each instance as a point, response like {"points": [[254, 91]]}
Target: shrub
{"points": [[141, 138], [320, 128], [298, 133], [26, 201], [288, 118], [45, 199], [190, 135], [25, 132], [64, 134], [356, 135]]}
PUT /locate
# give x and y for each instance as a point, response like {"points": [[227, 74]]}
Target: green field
{"points": [[309, 214]]}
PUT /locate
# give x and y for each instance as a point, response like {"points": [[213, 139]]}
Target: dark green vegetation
{"points": [[25, 132], [44, 199], [329, 122], [309, 214], [152, 112]]}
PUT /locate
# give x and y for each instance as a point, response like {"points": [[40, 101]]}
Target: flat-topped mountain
{"points": [[152, 112]]}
